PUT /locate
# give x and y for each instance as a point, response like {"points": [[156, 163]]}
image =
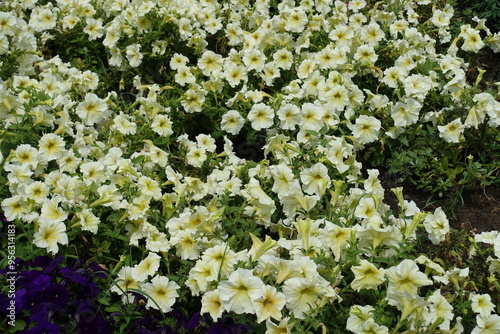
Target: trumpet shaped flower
{"points": [[270, 304], [50, 234], [367, 276], [240, 290], [406, 277], [161, 293]]}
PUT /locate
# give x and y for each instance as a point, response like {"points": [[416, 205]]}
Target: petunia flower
{"points": [[270, 304], [240, 290], [50, 234], [406, 277], [481, 304], [452, 131], [367, 276], [161, 293]]}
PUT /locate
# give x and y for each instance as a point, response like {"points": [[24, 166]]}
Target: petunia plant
{"points": [[221, 162]]}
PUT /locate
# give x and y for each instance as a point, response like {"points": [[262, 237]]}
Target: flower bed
{"points": [[203, 166]]}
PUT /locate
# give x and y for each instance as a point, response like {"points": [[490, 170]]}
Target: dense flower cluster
{"points": [[58, 297], [280, 239], [50, 294]]}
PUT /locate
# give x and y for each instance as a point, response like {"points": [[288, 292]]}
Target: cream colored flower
{"points": [[358, 315], [147, 267], [88, 221], [487, 325], [50, 147], [284, 180], [203, 273], [92, 110], [50, 234], [232, 122], [133, 54], [367, 276], [234, 74], [93, 28], [366, 129], [210, 63], [301, 295], [371, 33], [472, 40], [26, 154], [315, 179], [365, 55], [452, 131], [441, 308], [240, 290], [14, 207], [270, 304], [289, 115], [406, 277], [296, 20], [212, 303], [196, 156], [161, 293], [51, 210], [254, 59], [481, 304], [437, 226], [125, 281], [162, 125], [261, 116], [406, 113]]}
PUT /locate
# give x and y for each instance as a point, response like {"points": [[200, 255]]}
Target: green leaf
{"points": [[112, 309], [19, 325], [444, 163]]}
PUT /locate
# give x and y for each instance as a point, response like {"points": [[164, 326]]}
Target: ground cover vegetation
{"points": [[214, 166]]}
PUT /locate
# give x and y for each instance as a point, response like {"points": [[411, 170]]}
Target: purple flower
{"points": [[40, 283], [181, 317], [17, 263], [40, 313], [47, 263], [44, 326], [26, 278], [98, 270], [53, 264], [57, 296], [73, 276], [194, 322], [228, 326], [19, 297], [84, 305], [95, 325]]}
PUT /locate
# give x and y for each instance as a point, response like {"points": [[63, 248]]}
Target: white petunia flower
{"points": [[92, 110], [366, 129], [232, 122], [161, 293], [240, 290], [261, 116], [452, 131], [50, 234]]}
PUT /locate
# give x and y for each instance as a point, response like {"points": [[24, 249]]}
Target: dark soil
{"points": [[489, 61], [476, 210]]}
